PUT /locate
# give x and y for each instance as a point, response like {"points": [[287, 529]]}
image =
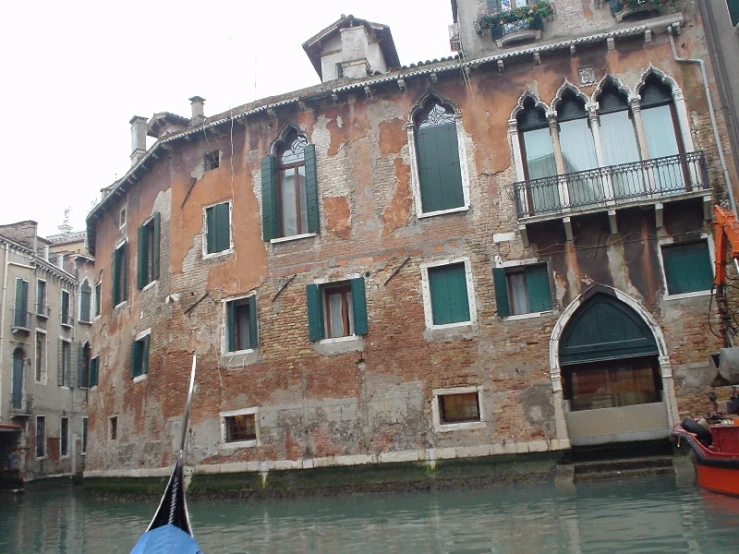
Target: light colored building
{"points": [[45, 349], [505, 251]]}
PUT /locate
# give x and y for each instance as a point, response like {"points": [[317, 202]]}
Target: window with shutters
{"points": [[42, 306], [688, 268], [85, 302], [20, 310], [65, 312], [733, 6], [448, 294], [337, 310], [94, 371], [140, 356], [148, 255], [290, 188], [241, 331], [64, 364], [83, 434], [439, 168], [457, 408], [84, 361], [217, 230], [522, 289], [99, 297], [40, 436], [120, 275], [113, 428], [239, 428], [64, 437], [40, 372]]}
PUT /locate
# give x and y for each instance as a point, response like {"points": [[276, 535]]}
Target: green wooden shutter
{"points": [[253, 330], [85, 296], [315, 312], [143, 258], [537, 288], [157, 227], [115, 273], [21, 303], [68, 366], [135, 359], [449, 301], [428, 169], [80, 369], [124, 272], [60, 363], [231, 325], [270, 202], [439, 296], [733, 11], [500, 280], [359, 305], [94, 372], [687, 267], [210, 231], [145, 354], [223, 227], [439, 171], [311, 189]]}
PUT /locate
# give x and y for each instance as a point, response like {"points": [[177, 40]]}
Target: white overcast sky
{"points": [[75, 72]]}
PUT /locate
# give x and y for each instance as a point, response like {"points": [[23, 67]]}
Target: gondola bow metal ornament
{"points": [[169, 531]]}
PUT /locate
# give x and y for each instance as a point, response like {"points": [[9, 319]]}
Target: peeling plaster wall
{"points": [[374, 403]]}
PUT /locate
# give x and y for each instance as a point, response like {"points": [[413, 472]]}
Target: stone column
{"points": [[564, 193], [600, 155], [635, 102]]}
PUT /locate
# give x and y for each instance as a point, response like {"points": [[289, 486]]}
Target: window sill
{"points": [[82, 322], [120, 304], [150, 284], [530, 315], [239, 359], [238, 444], [423, 215], [220, 254], [66, 325], [467, 425], [451, 331], [340, 345], [139, 378], [695, 294], [42, 316], [292, 238]]}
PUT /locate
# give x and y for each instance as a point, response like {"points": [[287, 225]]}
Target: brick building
{"points": [[505, 251], [45, 350]]}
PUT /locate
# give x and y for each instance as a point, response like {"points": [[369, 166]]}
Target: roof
{"points": [[323, 90], [159, 121], [314, 45]]}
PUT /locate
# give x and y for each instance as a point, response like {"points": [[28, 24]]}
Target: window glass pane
{"points": [[660, 131], [456, 408], [335, 316], [288, 203], [241, 428], [539, 153], [620, 146], [519, 300], [243, 327]]}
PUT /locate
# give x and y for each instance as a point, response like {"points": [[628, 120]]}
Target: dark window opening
{"points": [[459, 408], [84, 435], [339, 314], [241, 428], [64, 437], [113, 428], [211, 160], [242, 324], [140, 357], [40, 436]]}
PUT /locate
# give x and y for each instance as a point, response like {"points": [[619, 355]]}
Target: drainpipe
{"points": [[2, 325], [674, 29]]}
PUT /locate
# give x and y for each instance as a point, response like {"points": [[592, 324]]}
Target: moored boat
{"points": [[715, 444], [170, 530]]}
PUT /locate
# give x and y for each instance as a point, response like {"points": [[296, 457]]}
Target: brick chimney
{"points": [[198, 111], [138, 138]]}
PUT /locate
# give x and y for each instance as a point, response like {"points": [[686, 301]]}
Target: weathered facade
{"points": [[507, 251], [45, 348]]}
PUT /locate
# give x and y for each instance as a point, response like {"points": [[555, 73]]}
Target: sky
{"points": [[76, 72]]}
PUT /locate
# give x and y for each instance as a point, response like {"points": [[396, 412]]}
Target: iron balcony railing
{"points": [[612, 185], [43, 310], [534, 24], [20, 403]]}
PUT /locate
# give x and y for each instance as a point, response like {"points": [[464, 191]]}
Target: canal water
{"points": [[634, 516]]}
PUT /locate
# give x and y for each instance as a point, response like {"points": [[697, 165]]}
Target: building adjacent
{"points": [[505, 251], [46, 312]]}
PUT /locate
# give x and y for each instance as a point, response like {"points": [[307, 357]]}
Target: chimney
{"points": [[198, 112], [138, 138]]}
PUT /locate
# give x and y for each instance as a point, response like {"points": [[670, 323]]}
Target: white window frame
{"points": [[524, 263], [137, 338], [224, 326], [128, 288], [46, 435], [122, 218], [45, 369], [463, 168], [669, 241], [230, 248], [240, 444], [441, 427], [426, 291], [61, 455], [84, 434], [70, 308], [95, 301], [110, 428], [322, 284], [45, 315]]}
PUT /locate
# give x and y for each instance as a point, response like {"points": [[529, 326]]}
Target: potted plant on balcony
{"points": [[509, 21], [625, 8]]}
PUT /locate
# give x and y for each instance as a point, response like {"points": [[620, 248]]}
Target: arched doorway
{"points": [[610, 372], [17, 397]]}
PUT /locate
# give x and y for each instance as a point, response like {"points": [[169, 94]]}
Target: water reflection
{"points": [[635, 516]]}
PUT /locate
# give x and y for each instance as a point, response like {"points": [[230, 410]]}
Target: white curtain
{"points": [[621, 147], [578, 151], [540, 163], [661, 141]]}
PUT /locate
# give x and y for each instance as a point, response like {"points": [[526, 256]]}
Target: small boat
{"points": [[714, 440], [169, 531]]}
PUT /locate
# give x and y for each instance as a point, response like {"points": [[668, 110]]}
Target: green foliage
{"points": [[635, 4], [526, 14]]}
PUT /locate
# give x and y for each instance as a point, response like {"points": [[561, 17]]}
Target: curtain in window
{"points": [[659, 129], [540, 163], [620, 146], [519, 299], [578, 151]]}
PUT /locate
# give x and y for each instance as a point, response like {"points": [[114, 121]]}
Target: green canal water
{"points": [[634, 516]]}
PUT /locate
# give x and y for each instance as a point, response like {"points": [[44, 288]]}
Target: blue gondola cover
{"points": [[166, 540]]}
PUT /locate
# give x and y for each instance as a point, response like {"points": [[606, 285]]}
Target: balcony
{"points": [[636, 9], [66, 320], [42, 311], [520, 31], [20, 404], [516, 25], [21, 322], [605, 188]]}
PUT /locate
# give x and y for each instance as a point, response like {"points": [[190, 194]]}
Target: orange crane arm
{"points": [[726, 234]]}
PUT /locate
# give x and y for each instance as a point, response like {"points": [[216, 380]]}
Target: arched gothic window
{"points": [[537, 153], [438, 159], [293, 206]]}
